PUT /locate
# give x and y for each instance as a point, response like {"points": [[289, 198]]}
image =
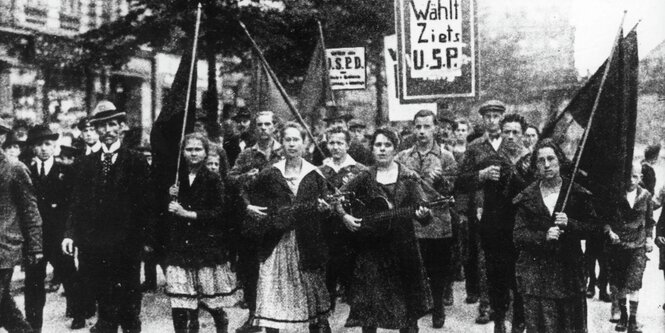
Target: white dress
{"points": [[287, 297]]}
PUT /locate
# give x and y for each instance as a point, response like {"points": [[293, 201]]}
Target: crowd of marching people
{"points": [[263, 218]]}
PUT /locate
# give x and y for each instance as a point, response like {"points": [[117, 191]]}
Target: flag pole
{"points": [[593, 112], [325, 67], [281, 89], [189, 90]]}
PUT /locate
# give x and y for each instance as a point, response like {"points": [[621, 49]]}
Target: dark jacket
{"points": [[634, 224], [552, 269], [393, 241], [114, 215], [19, 216], [251, 158], [498, 213], [271, 190], [435, 158], [648, 177], [198, 243], [660, 232], [53, 194]]}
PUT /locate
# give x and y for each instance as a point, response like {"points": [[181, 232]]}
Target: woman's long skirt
{"points": [[287, 297]]}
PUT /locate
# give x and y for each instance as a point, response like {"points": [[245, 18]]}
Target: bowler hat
{"points": [[105, 110], [492, 105], [242, 113], [39, 133]]}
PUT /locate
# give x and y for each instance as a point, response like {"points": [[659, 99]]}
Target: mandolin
{"points": [[379, 209]]}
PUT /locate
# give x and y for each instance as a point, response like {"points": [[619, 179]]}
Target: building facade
{"points": [[37, 36]]}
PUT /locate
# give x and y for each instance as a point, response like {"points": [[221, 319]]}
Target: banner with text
{"points": [[396, 110], [346, 67], [436, 49]]}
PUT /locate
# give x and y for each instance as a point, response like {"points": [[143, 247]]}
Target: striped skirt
{"points": [[215, 287]]}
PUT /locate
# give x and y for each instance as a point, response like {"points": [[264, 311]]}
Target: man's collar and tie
{"points": [[109, 156], [44, 167]]}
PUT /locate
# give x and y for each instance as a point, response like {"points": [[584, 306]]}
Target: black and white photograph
{"points": [[332, 166]]}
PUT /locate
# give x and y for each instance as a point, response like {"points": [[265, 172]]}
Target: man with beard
{"points": [[110, 222], [436, 166], [242, 176], [489, 165]]}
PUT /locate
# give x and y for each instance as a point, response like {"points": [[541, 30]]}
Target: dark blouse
{"points": [[198, 243]]}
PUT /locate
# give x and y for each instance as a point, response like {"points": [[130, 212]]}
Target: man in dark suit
{"points": [[110, 221], [52, 189], [20, 229]]}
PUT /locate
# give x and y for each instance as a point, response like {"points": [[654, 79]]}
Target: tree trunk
{"points": [[210, 98], [379, 85]]}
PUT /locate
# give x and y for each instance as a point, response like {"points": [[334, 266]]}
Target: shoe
{"points": [[438, 320], [518, 328], [78, 323], [247, 327], [471, 299], [622, 325], [590, 292], [483, 317], [499, 327], [615, 313], [633, 327], [605, 297]]}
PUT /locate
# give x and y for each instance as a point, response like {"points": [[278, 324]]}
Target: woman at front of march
{"points": [[197, 268], [389, 288], [291, 289], [550, 266]]}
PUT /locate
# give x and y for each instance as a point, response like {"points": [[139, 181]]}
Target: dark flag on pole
{"points": [[315, 91], [165, 134], [607, 157]]}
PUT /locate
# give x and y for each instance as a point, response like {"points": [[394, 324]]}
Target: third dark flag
{"points": [[608, 155]]}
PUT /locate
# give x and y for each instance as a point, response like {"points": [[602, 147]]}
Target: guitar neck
{"points": [[398, 213]]}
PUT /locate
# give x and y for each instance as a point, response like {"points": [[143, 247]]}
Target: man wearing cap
{"points": [[89, 136], [242, 176], [357, 149], [489, 167], [52, 188], [242, 136], [110, 222], [20, 229]]}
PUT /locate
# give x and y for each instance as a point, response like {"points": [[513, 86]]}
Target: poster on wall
{"points": [[346, 68], [436, 49], [398, 111]]}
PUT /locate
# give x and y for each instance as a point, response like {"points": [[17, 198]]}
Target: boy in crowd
{"points": [[631, 236]]}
